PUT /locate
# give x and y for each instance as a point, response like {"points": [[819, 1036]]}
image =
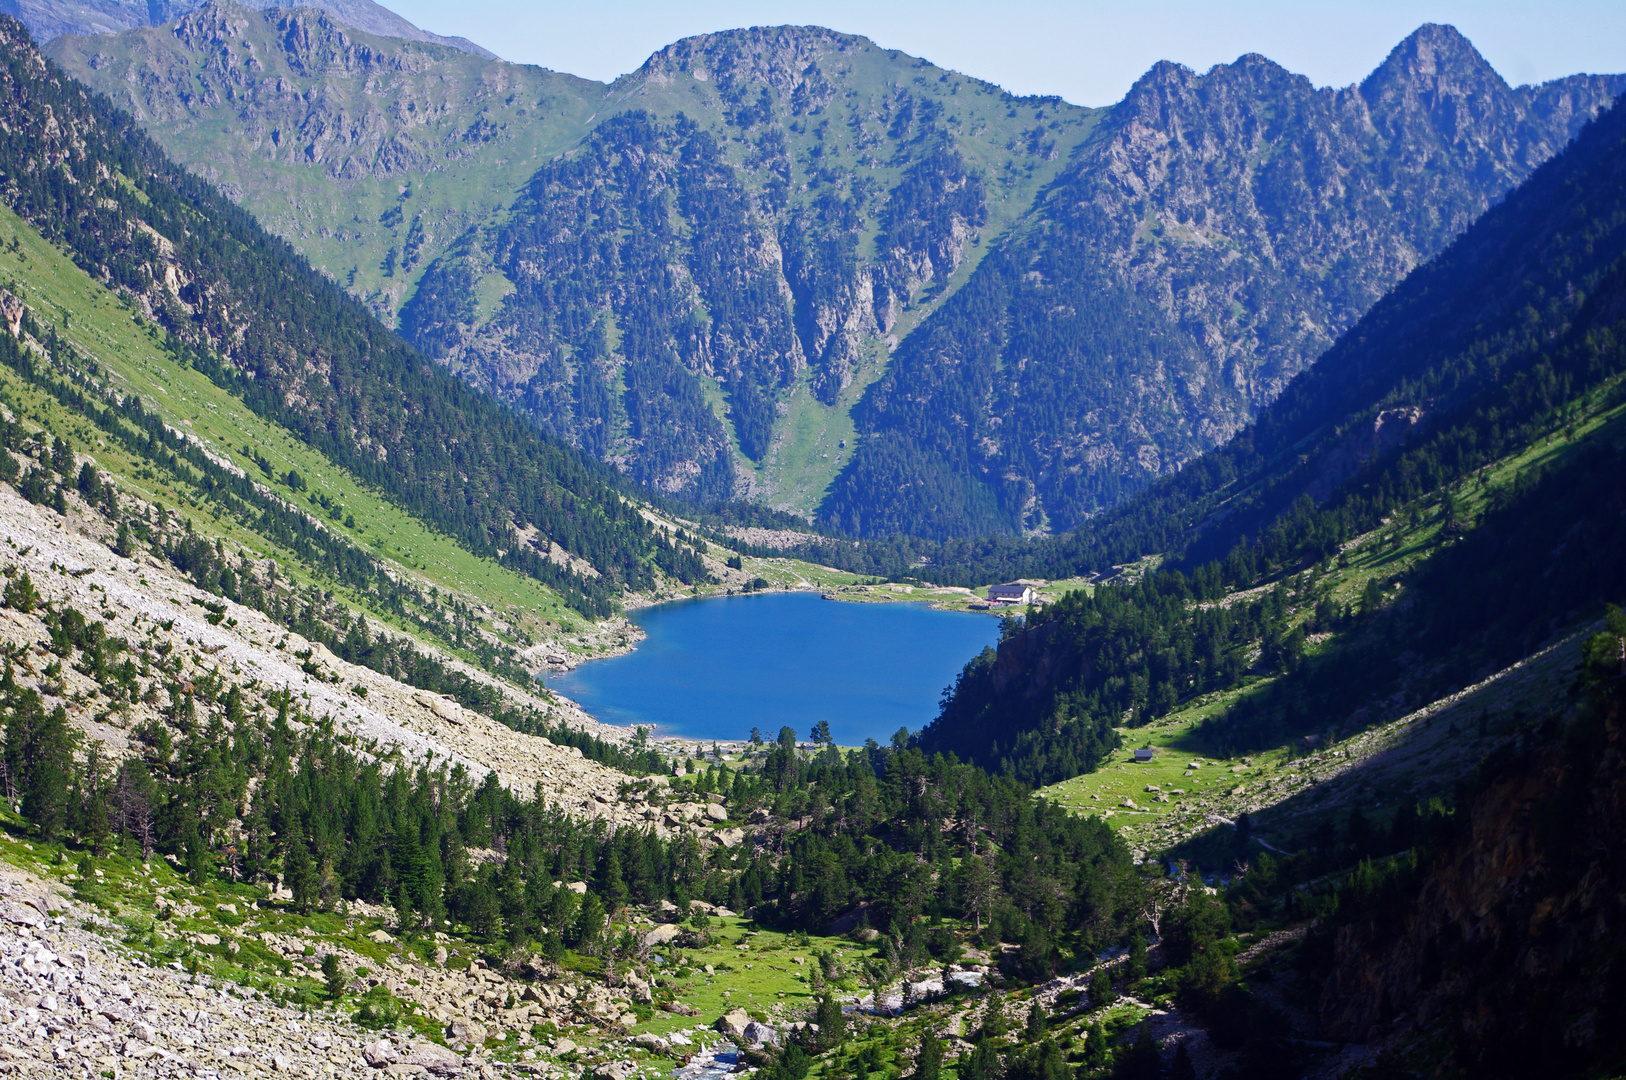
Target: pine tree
{"points": [[982, 1063], [299, 874], [929, 1063], [831, 1020], [20, 594], [1182, 1068], [611, 885], [1095, 1047], [1101, 992], [1142, 1060], [333, 976], [993, 1017], [196, 852], [39, 748], [1135, 969], [1037, 1024]]}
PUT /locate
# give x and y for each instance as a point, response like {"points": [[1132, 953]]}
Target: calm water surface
{"points": [[716, 668]]}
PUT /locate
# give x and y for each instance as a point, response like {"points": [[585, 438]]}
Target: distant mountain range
{"points": [[786, 264], [50, 19]]}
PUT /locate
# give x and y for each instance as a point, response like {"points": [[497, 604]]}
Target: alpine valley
{"points": [[353, 380]]}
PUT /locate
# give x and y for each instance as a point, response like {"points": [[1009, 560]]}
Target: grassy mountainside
{"points": [[1506, 341], [370, 154]]}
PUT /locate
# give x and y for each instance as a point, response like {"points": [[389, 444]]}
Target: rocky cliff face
{"points": [[1217, 233], [799, 195]]}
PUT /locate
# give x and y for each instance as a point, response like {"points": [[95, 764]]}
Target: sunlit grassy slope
{"points": [[129, 348], [1185, 777]]}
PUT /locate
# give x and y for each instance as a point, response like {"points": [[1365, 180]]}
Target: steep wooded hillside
{"points": [[1509, 339], [1497, 944], [243, 308]]}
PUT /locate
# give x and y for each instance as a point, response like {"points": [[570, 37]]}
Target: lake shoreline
{"points": [[717, 670]]}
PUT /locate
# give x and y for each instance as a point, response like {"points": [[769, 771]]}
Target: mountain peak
{"points": [[1434, 60], [778, 56]]}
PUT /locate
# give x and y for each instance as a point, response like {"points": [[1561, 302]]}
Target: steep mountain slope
{"points": [[50, 19], [860, 180], [799, 196], [243, 308], [370, 154], [1217, 233], [1496, 946], [1510, 338]]}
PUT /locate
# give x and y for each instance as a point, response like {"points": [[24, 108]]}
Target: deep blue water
{"points": [[716, 668]]}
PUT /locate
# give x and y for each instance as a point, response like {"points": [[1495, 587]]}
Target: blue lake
{"points": [[716, 668]]}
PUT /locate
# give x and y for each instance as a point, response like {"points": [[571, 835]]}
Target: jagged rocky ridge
{"points": [[1194, 247], [49, 19], [1218, 232]]}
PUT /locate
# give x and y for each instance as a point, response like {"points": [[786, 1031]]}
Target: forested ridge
{"points": [[250, 313], [1216, 234], [1479, 355], [826, 192]]}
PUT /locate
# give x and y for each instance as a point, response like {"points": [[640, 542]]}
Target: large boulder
{"points": [[662, 934], [379, 1054], [733, 1024], [21, 915], [652, 1042], [469, 1032], [760, 1035], [436, 1059]]}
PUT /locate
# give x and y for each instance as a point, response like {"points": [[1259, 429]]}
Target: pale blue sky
{"points": [[1088, 52]]}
